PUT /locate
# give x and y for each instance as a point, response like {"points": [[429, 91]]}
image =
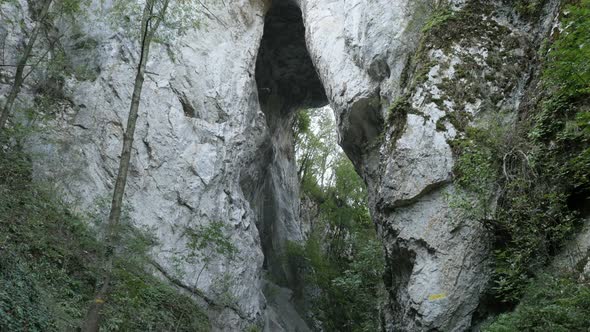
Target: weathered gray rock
{"points": [[200, 126], [214, 140], [575, 255], [282, 315], [368, 57]]}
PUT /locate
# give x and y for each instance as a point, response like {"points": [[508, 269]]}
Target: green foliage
{"points": [[350, 188], [211, 236], [360, 284], [8, 2], [22, 303], [526, 180], [344, 206], [301, 125], [446, 26], [141, 302], [48, 264], [181, 17], [398, 110], [69, 7], [477, 171], [528, 8], [42, 246], [559, 304], [397, 117], [127, 15], [471, 26], [349, 284], [204, 241], [437, 19], [518, 190], [568, 60], [60, 59], [342, 257], [315, 149]]}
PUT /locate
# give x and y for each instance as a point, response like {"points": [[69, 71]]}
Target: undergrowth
{"points": [[557, 304], [340, 266], [532, 180], [49, 263]]}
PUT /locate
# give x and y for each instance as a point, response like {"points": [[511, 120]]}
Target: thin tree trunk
{"points": [[92, 321], [20, 67], [323, 170], [303, 167]]}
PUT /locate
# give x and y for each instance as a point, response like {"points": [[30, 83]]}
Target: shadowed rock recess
{"points": [[287, 81]]}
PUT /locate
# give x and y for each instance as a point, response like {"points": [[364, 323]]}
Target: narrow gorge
{"points": [[456, 200]]}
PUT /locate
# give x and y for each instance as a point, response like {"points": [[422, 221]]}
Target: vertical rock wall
{"points": [[200, 127], [287, 82], [401, 94], [214, 141], [205, 149]]}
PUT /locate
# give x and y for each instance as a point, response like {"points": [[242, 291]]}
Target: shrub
{"points": [[550, 304], [339, 268], [48, 264], [534, 173]]}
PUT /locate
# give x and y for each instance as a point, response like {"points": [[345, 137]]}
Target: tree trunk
{"points": [[20, 67], [92, 321]]}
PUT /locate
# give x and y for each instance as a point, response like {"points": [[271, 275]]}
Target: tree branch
{"points": [[197, 292]]}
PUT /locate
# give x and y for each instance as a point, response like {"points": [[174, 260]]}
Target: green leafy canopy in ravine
{"points": [[342, 257]]}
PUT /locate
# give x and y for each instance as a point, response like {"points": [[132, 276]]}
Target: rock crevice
{"points": [[287, 81]]}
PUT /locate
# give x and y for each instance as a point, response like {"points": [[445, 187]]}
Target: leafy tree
{"points": [[204, 242], [154, 14], [342, 257], [315, 146], [45, 11], [20, 75]]}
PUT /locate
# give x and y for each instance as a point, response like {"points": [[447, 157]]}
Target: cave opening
{"points": [[307, 193], [285, 74], [287, 81]]}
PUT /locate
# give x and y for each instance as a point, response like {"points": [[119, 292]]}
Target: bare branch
{"points": [[34, 66], [211, 13]]}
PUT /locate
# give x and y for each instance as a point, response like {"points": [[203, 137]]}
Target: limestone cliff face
{"points": [[400, 98], [214, 139], [200, 130]]}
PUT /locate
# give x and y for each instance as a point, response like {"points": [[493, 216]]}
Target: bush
{"points": [[339, 268], [550, 304], [349, 288], [22, 303], [534, 174], [48, 264]]}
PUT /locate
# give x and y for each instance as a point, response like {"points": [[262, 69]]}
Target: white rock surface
{"points": [[204, 151], [575, 253], [437, 264], [199, 125]]}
